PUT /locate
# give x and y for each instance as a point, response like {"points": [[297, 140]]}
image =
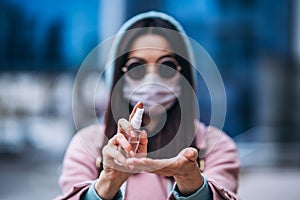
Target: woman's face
{"points": [[152, 73]]}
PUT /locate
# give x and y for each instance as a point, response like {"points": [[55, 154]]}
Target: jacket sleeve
{"points": [[221, 164], [91, 194], [79, 166]]}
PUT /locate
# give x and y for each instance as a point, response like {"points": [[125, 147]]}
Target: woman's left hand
{"points": [[183, 168]]}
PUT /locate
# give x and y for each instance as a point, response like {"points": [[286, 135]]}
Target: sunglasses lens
{"points": [[136, 70], [167, 69]]}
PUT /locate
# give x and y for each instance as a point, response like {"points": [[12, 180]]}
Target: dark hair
{"points": [[186, 130]]}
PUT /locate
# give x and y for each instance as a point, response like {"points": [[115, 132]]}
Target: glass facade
{"points": [[244, 39], [254, 43]]}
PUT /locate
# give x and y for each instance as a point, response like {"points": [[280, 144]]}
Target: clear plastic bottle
{"points": [[136, 122], [134, 140]]}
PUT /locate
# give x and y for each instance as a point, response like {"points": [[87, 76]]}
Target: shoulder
{"points": [[80, 159], [211, 138], [89, 140]]}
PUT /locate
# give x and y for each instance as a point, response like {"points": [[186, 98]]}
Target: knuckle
{"points": [[119, 156], [112, 140], [105, 150], [119, 136], [121, 121], [124, 124]]}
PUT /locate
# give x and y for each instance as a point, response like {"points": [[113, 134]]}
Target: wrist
{"points": [[188, 185], [108, 184]]}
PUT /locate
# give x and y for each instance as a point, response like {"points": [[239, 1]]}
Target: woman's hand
{"points": [[183, 168], [114, 175]]}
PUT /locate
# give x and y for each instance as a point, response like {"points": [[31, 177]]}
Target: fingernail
{"points": [[131, 132], [131, 153], [131, 167]]}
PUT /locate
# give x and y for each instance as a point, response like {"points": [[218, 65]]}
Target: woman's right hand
{"points": [[114, 175]]}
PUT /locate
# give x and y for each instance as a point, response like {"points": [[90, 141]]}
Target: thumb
{"points": [[137, 105], [191, 154]]}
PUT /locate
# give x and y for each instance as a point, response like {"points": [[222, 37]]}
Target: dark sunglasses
{"points": [[167, 67]]}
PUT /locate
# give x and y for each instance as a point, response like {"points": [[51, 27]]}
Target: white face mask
{"points": [[152, 90]]}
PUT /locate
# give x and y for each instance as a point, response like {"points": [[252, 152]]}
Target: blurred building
{"points": [[43, 102], [43, 44]]}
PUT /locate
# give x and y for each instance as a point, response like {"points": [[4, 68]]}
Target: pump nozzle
{"points": [[136, 120]]}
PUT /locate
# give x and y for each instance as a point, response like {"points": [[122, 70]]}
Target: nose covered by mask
{"points": [[154, 92]]}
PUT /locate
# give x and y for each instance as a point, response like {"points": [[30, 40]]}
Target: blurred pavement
{"points": [[29, 177], [36, 178], [270, 184]]}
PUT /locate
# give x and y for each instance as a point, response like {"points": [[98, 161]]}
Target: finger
{"points": [[138, 105], [113, 154], [142, 148], [142, 164], [143, 138], [190, 153], [116, 165], [125, 127], [120, 140], [150, 165]]}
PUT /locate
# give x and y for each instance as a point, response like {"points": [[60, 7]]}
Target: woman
{"points": [[151, 70]]}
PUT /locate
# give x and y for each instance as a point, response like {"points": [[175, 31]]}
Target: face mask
{"points": [[153, 91]]}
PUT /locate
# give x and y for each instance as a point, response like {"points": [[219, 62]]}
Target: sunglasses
{"points": [[167, 67]]}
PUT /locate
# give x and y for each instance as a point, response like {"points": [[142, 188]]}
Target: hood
{"points": [[113, 51]]}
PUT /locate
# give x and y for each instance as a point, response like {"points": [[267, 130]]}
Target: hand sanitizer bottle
{"points": [[134, 139], [136, 122]]}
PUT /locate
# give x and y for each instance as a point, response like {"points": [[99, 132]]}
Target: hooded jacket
{"points": [[219, 165]]}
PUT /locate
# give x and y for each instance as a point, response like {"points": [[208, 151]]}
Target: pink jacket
{"points": [[220, 163]]}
